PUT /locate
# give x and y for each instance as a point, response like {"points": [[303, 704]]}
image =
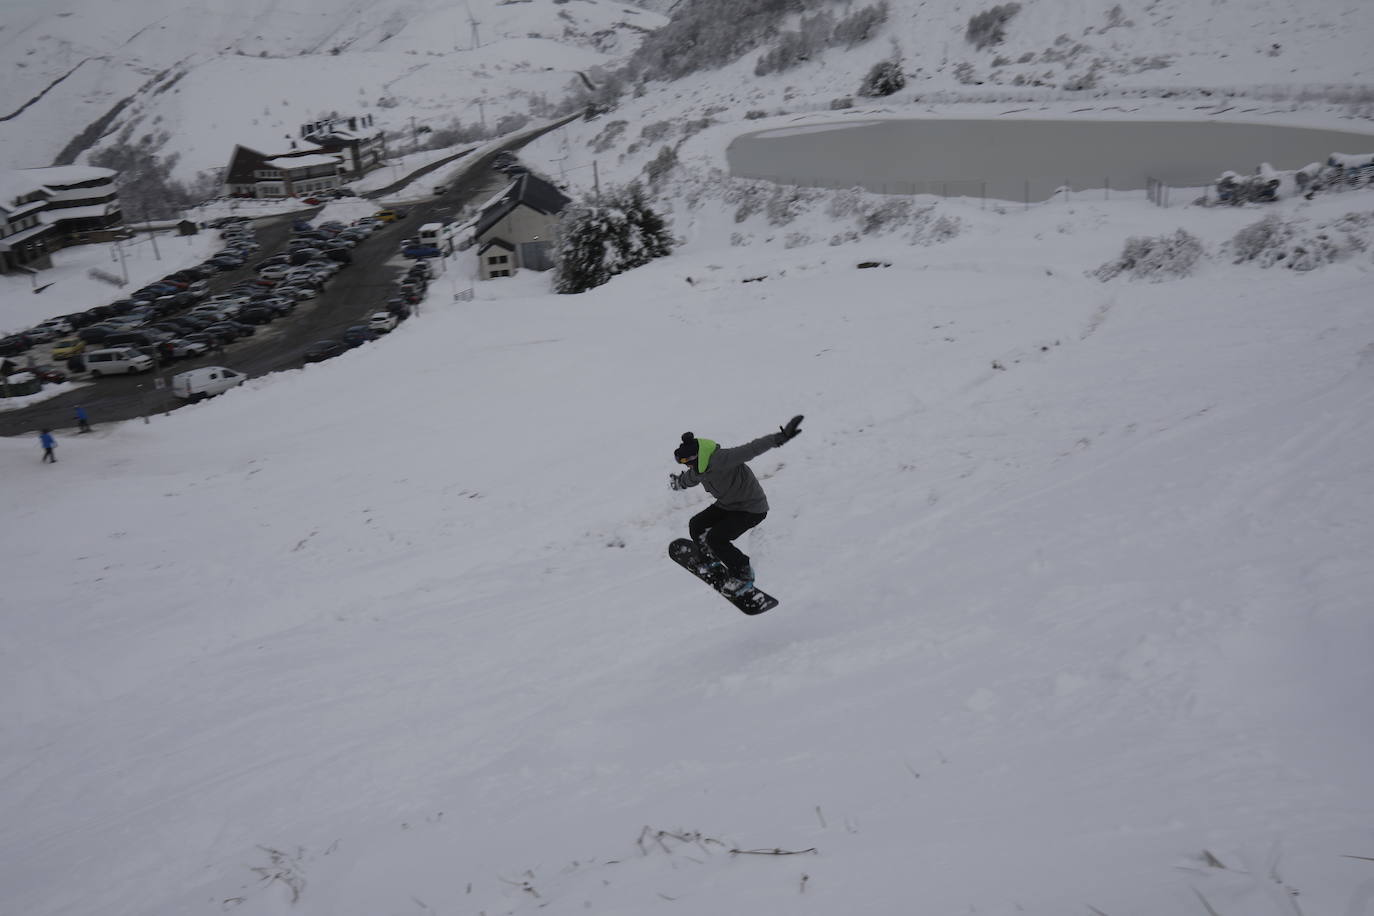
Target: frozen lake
{"points": [[1025, 159]]}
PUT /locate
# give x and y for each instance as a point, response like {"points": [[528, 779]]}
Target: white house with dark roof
{"points": [[42, 210], [516, 228]]}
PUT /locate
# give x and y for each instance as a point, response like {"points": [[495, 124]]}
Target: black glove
{"points": [[789, 432], [674, 483]]}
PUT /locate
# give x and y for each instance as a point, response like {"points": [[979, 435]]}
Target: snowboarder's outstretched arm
{"points": [[722, 459], [729, 457]]}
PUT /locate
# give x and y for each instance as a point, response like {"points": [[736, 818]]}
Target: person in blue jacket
{"points": [[49, 443], [740, 502], [83, 422]]}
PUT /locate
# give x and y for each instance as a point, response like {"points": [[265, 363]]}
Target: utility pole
{"points": [[152, 235], [123, 268]]}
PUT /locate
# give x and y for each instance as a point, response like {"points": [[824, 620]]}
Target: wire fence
{"points": [[1023, 191]]}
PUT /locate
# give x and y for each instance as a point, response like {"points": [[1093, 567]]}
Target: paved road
{"points": [[350, 297]]}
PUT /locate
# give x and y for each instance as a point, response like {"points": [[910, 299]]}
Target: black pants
{"points": [[722, 526]]}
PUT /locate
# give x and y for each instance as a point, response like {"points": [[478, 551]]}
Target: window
{"points": [[500, 273], [498, 259]]}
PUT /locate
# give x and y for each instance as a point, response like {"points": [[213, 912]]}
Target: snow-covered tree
{"points": [[885, 78], [596, 241]]}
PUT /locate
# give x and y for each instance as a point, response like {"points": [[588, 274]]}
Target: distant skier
{"points": [[740, 502]]}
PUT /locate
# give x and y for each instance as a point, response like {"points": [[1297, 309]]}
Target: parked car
{"points": [[279, 304], [67, 347], [387, 216], [339, 255], [182, 348], [357, 335], [117, 360], [48, 375], [321, 350], [382, 322], [128, 339], [256, 314], [420, 251], [205, 382], [91, 334], [274, 271], [224, 300], [40, 334], [14, 344], [232, 330]]}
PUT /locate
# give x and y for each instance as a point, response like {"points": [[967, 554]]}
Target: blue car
{"points": [[420, 251]]}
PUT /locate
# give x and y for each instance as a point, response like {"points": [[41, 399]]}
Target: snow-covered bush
{"points": [[658, 167], [1273, 240], [707, 34], [795, 48], [988, 28], [860, 25], [942, 229], [609, 136], [1160, 257], [1260, 239], [598, 241], [781, 204], [884, 79]]}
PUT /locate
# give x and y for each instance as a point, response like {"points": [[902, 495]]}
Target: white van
{"points": [[116, 360], [205, 382]]}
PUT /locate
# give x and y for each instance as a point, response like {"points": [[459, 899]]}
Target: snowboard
{"points": [[688, 555]]}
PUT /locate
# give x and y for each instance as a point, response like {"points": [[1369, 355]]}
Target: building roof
{"points": [[66, 213], [528, 190], [300, 162], [17, 183], [62, 175], [496, 243]]}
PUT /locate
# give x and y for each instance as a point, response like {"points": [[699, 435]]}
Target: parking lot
{"points": [[345, 300]]}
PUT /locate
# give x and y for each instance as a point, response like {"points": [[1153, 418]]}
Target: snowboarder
{"points": [[49, 443], [740, 502]]}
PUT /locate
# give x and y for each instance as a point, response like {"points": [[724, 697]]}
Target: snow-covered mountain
{"points": [[201, 76], [1074, 572]]}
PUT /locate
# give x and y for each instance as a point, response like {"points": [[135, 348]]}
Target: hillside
{"points": [[197, 78], [1074, 572], [200, 77]]}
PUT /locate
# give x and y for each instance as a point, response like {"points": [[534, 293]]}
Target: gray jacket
{"points": [[724, 474]]}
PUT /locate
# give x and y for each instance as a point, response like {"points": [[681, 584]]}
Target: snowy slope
{"points": [[396, 633], [1074, 574]]}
